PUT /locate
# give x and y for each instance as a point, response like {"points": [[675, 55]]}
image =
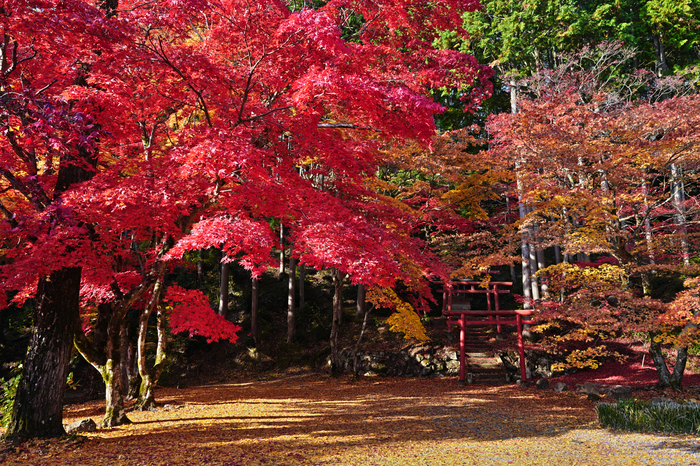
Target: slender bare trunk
{"points": [[361, 304], [337, 317], [525, 251], [223, 288], [302, 280], [282, 256], [291, 323], [678, 204], [365, 316], [254, 310]]}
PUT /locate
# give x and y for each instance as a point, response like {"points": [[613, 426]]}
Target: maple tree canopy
{"points": [[205, 120]]}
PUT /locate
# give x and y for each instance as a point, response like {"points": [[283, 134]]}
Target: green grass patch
{"points": [[641, 416]]}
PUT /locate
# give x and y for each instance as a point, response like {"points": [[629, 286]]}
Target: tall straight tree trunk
{"points": [[678, 205], [361, 302], [281, 268], [200, 269], [255, 291], [223, 289], [302, 280], [337, 318], [525, 251], [291, 317], [38, 407]]}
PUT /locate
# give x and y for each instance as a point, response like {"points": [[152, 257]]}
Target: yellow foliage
{"points": [[566, 276], [586, 359], [404, 320]]}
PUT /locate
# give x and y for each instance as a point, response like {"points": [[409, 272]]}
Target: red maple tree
{"points": [[181, 125]]}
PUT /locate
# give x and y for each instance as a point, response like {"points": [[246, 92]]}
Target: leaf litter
{"points": [[315, 420]]}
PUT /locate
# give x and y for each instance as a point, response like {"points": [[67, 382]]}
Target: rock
{"points": [[658, 400], [589, 388], [560, 387], [542, 384], [543, 367], [451, 354], [593, 397], [509, 366], [621, 392], [418, 349], [523, 383], [452, 367], [79, 427]]}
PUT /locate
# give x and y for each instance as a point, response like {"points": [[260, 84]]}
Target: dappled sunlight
{"points": [[333, 421]]}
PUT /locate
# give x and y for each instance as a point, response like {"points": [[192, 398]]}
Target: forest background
{"points": [[391, 145]]}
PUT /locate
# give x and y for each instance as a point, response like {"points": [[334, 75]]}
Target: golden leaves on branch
{"points": [[404, 319]]}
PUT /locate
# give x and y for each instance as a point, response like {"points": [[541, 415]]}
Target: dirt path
{"points": [[321, 421]]}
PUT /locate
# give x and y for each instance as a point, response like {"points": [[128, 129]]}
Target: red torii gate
{"points": [[457, 308]]}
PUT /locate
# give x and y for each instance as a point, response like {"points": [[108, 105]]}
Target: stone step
{"points": [[486, 367], [479, 354], [484, 363]]}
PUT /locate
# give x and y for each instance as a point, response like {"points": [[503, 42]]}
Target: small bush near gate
{"points": [[642, 416]]}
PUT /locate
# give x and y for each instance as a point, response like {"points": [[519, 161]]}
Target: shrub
{"points": [[8, 388], [641, 416]]}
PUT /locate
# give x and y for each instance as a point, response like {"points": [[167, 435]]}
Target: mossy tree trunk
{"points": [[107, 359], [149, 377]]}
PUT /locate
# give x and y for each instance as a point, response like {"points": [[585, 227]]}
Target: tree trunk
{"points": [[38, 406], [365, 315], [281, 269], [659, 363], [513, 95], [337, 313], [200, 269], [254, 310], [114, 395], [666, 378], [149, 377], [660, 55], [105, 357], [361, 302], [678, 205], [291, 323], [223, 289], [302, 279], [129, 367]]}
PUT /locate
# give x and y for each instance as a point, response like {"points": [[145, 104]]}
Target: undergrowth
{"points": [[642, 416]]}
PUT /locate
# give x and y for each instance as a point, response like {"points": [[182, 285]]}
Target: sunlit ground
{"points": [[316, 421]]}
